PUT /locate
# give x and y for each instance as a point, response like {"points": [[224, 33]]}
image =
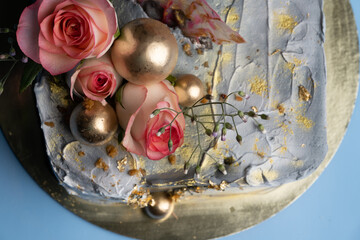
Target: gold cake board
{"points": [[199, 217]]}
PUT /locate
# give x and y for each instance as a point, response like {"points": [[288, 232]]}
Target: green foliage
{"points": [[31, 70]]}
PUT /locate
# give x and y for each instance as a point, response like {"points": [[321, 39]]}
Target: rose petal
{"points": [[127, 117], [56, 64], [28, 31]]}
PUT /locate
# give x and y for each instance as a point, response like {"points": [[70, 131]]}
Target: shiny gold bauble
{"points": [[162, 208], [94, 125], [146, 51], [190, 89]]}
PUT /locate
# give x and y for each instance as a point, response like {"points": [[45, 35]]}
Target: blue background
{"points": [[330, 209]]}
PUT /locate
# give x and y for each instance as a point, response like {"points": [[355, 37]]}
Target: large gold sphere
{"points": [[189, 89], [162, 208], [93, 124], [146, 51]]}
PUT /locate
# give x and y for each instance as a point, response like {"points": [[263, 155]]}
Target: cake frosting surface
{"points": [[281, 67]]}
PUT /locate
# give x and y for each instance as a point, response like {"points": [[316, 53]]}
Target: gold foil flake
{"points": [[258, 86], [133, 172], [261, 154], [121, 164], [200, 51], [238, 98], [223, 185], [286, 22], [60, 93], [111, 151], [172, 159], [50, 124], [101, 164], [281, 109], [139, 197], [220, 187], [275, 52], [177, 194], [283, 149], [304, 94], [187, 49]]}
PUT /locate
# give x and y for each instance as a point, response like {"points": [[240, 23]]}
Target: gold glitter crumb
{"points": [[111, 151], [50, 124], [304, 94], [281, 109], [187, 49], [172, 159], [101, 164]]}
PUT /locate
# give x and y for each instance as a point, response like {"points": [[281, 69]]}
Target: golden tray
{"points": [[199, 217]]}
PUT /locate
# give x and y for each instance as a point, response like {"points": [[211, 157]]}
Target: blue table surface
{"points": [[330, 209]]}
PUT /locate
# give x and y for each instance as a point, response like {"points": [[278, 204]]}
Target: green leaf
{"points": [[31, 70], [119, 94], [171, 79], [117, 34]]}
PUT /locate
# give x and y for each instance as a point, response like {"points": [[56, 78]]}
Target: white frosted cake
{"points": [[281, 70]]}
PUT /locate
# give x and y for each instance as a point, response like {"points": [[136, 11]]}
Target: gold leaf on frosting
{"points": [[286, 22], [121, 164], [304, 122], [258, 86], [304, 94]]}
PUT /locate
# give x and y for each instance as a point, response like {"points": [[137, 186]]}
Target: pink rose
{"points": [[200, 20], [95, 78], [59, 33], [141, 134]]}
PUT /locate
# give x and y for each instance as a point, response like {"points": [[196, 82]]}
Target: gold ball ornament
{"points": [[92, 123], [162, 208], [189, 89], [146, 51]]}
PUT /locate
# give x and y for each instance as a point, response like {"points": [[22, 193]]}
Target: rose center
{"points": [[101, 80], [73, 28]]}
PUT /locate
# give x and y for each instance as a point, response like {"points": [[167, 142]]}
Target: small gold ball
{"points": [[189, 89], [163, 207], [146, 51], [95, 125]]}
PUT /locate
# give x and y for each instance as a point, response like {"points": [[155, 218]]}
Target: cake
{"points": [[279, 78]]}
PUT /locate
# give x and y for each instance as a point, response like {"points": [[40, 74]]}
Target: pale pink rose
{"points": [[141, 131], [59, 33], [201, 20], [95, 78]]}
